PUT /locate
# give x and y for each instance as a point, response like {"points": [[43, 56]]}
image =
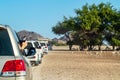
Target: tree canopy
{"points": [[91, 26]]}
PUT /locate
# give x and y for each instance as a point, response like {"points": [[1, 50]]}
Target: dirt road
{"points": [[75, 65]]}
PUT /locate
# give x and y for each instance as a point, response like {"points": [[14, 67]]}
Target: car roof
{"points": [[3, 26], [31, 41]]}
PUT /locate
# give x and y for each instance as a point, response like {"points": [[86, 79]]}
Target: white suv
{"points": [[41, 48], [33, 53], [13, 65], [44, 46]]}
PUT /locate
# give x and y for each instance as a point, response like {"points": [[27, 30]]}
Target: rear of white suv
{"points": [[45, 46], [39, 47], [35, 57], [13, 65]]}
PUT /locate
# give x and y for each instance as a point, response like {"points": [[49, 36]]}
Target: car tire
{"points": [[36, 63]]}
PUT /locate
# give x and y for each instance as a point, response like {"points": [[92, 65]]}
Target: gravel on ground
{"points": [[78, 65]]}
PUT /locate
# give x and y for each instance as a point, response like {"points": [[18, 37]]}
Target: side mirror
{"points": [[31, 51]]}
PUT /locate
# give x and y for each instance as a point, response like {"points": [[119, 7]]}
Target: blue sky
{"points": [[41, 15]]}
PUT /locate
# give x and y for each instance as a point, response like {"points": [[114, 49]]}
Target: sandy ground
{"points": [[77, 65]]}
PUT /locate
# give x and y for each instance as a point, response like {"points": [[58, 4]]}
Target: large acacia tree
{"points": [[91, 25]]}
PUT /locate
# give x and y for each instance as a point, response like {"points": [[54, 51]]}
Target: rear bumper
{"points": [[15, 78]]}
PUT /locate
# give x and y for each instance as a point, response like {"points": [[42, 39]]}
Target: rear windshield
{"points": [[42, 44], [30, 46], [5, 44], [36, 44]]}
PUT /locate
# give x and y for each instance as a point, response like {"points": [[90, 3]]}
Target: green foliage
{"points": [[92, 25], [116, 41], [60, 44], [60, 28]]}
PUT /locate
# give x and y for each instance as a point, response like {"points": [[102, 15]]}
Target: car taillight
{"points": [[34, 57], [45, 46], [14, 68]]}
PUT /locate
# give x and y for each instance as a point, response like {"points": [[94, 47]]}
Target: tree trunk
{"points": [[99, 47], [113, 47], [70, 47]]}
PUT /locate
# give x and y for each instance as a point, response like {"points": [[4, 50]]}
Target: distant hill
{"points": [[29, 35], [63, 38]]}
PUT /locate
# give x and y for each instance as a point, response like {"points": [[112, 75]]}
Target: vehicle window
{"points": [[5, 44], [48, 44], [42, 44], [36, 44], [29, 45], [31, 51]]}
